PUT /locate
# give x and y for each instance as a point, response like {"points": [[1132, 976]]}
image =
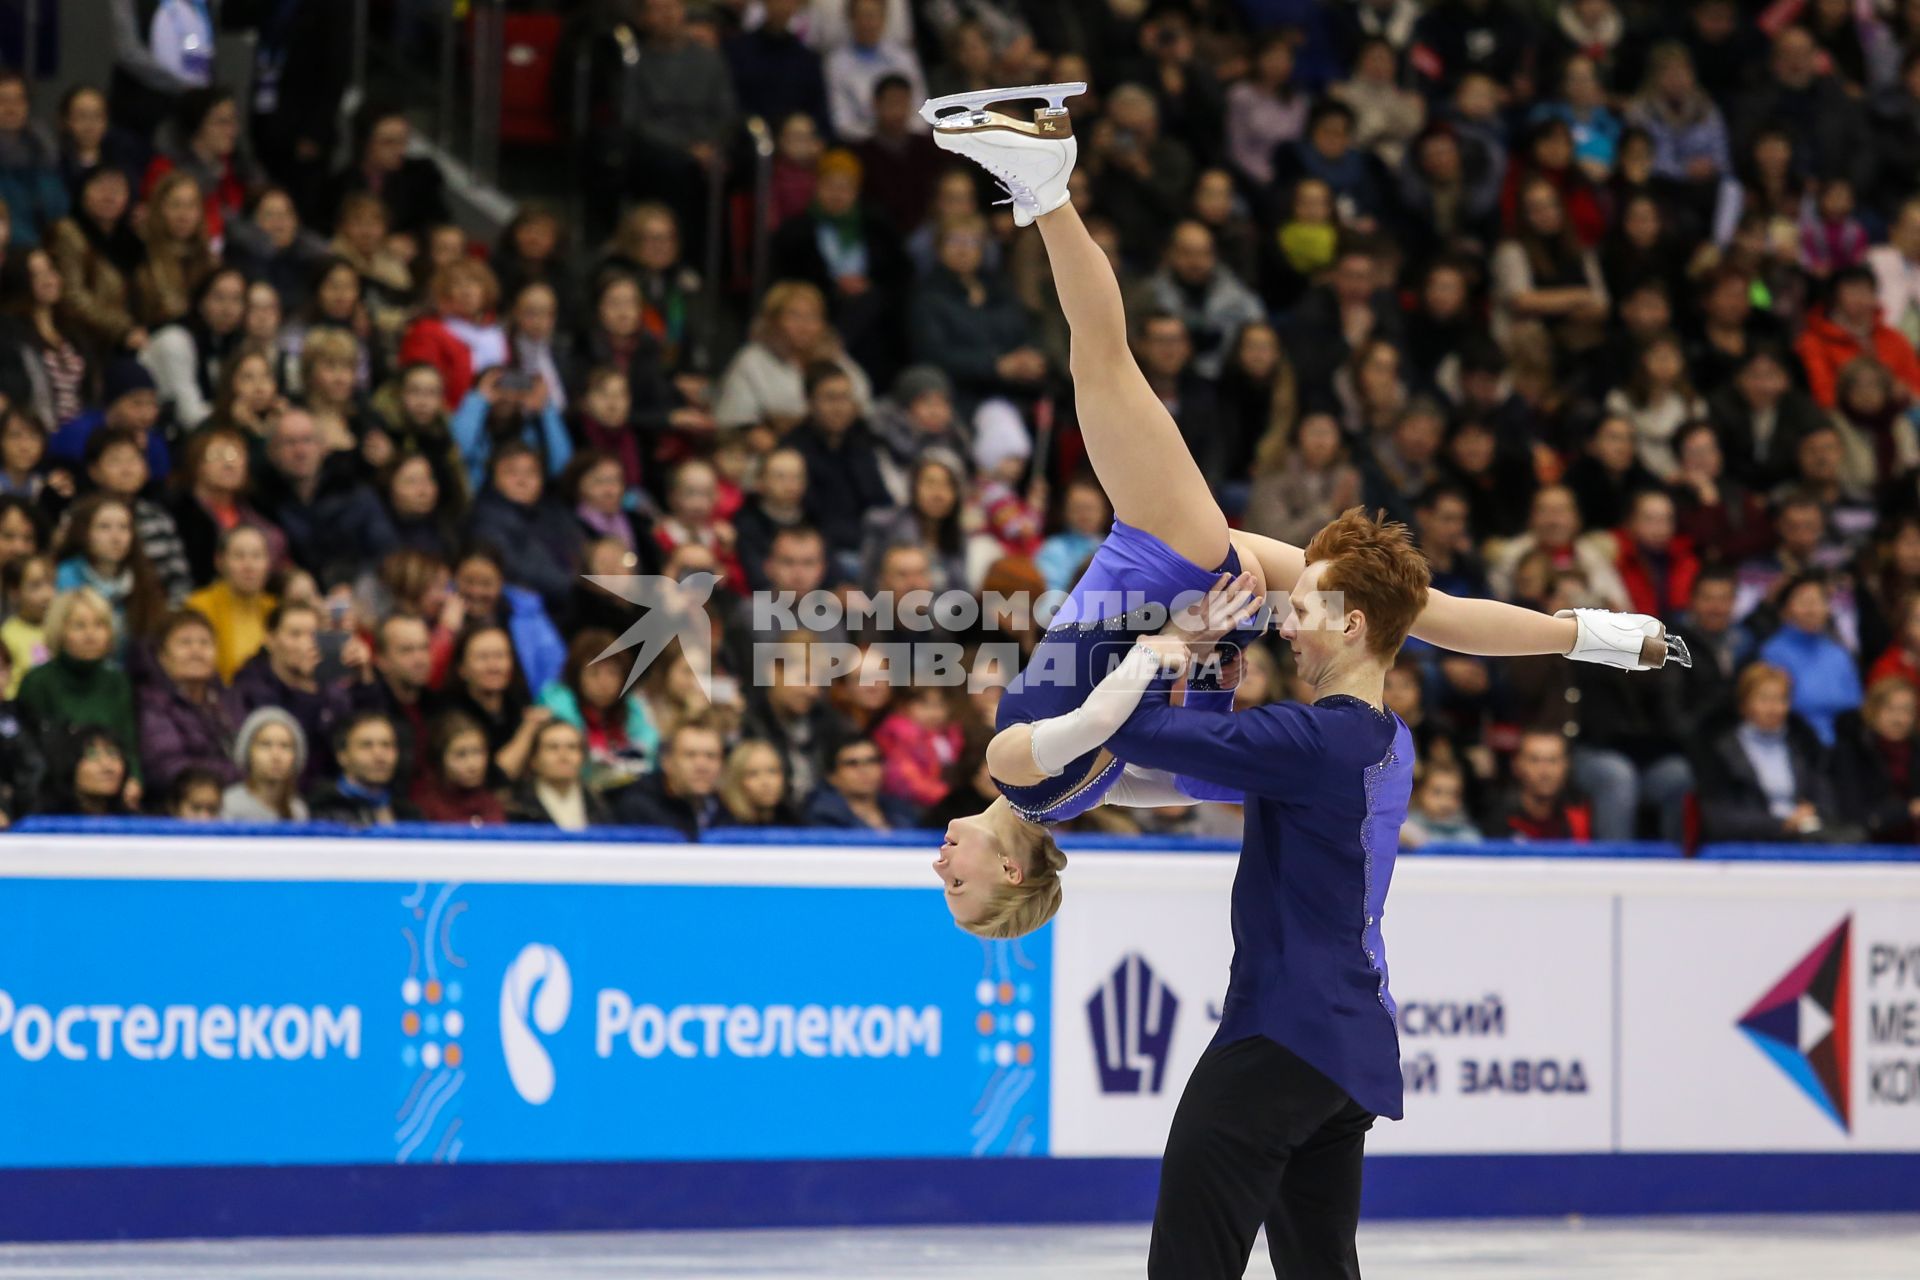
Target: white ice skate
{"points": [[1032, 158]]}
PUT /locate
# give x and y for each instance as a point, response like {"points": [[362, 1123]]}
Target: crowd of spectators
{"points": [[1614, 304]]}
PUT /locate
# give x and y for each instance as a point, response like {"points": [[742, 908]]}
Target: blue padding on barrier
{"points": [[94, 1204], [919, 837], [915, 838], [1548, 849], [1811, 852], [74, 826], [510, 833], [1623, 1185]]}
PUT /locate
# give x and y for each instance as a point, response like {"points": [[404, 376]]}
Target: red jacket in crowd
{"points": [[1683, 566], [1572, 820], [1825, 349], [429, 340]]}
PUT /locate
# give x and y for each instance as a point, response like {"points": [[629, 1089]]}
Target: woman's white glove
{"points": [[1059, 740], [1629, 641]]}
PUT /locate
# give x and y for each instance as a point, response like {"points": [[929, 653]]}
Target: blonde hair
{"points": [[1016, 910], [1757, 676], [732, 794], [466, 269], [781, 295], [336, 345], [62, 609]]}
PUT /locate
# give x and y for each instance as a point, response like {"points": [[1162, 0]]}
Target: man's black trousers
{"points": [[1259, 1137]]}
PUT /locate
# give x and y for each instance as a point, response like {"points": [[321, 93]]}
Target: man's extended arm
{"points": [[1263, 751]]}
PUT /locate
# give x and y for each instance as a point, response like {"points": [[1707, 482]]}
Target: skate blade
{"points": [[1677, 653], [1055, 96]]}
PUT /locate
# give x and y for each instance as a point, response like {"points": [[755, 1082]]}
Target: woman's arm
{"points": [[1492, 628], [1026, 754], [1138, 788], [511, 759], [1487, 628], [1557, 301]]}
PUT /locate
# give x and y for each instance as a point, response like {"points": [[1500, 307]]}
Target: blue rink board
{"points": [[492, 1023], [85, 1204]]}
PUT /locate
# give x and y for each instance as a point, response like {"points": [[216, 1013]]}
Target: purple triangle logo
{"points": [[1804, 1023]]}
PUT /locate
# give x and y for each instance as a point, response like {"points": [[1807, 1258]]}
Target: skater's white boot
{"points": [[1032, 158]]}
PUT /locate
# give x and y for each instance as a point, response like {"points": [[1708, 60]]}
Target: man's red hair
{"points": [[1373, 563]]}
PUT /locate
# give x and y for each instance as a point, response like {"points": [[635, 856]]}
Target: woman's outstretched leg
{"points": [[1135, 446], [1133, 442]]}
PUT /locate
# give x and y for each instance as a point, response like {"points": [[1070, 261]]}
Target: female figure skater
{"points": [[1169, 548]]}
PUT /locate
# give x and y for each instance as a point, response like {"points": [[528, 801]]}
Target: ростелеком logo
{"points": [[537, 984], [1805, 1024], [1131, 1018]]}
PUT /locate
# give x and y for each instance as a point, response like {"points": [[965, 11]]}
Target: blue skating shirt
{"points": [[1326, 788]]}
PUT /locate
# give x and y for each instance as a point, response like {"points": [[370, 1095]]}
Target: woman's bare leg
{"points": [[1134, 444]]}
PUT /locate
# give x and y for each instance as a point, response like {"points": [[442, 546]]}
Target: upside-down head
{"points": [[1001, 873]]}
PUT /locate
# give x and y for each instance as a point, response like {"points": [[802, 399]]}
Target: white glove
{"points": [[1616, 639]]}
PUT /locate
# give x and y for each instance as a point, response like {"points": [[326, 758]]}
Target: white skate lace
{"points": [[1016, 192]]}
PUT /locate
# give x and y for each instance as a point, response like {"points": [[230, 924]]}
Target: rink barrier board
{"points": [[279, 1192], [190, 1203]]}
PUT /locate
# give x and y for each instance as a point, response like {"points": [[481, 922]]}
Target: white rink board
{"points": [[1638, 971], [1688, 979]]}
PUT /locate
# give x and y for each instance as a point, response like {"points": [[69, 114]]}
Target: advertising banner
{"points": [[1772, 1022], [184, 1022], [430, 1002], [1505, 1016]]}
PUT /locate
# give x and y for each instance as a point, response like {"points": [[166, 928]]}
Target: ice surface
{"points": [[1778, 1248]]}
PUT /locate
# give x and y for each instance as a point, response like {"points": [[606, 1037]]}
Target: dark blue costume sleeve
{"points": [[1200, 789], [1263, 752], [1206, 696]]}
